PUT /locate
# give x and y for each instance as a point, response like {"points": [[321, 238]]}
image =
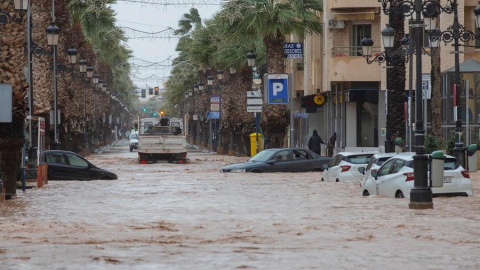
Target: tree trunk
{"points": [[396, 83], [275, 118], [12, 62], [436, 93]]}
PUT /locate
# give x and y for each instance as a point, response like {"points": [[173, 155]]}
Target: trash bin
{"points": [[253, 143], [398, 145], [437, 162], [472, 157]]}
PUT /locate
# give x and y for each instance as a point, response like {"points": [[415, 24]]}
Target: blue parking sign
{"points": [[277, 90]]}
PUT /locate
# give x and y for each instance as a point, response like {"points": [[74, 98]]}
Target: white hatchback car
{"points": [[376, 161], [344, 167], [395, 178]]}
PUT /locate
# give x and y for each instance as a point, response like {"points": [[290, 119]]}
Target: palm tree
{"points": [[436, 93], [272, 21]]}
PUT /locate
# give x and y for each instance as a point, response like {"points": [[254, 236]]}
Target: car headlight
{"points": [[238, 170]]}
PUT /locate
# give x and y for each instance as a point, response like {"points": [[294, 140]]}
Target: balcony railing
{"points": [[342, 51]]}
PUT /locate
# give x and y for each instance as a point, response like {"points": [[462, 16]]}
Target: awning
{"points": [[363, 95], [354, 15]]}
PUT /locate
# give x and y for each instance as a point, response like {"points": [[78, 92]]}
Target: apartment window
{"points": [[477, 41], [359, 32]]}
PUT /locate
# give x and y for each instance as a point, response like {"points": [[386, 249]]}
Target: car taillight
{"points": [[410, 176], [345, 168], [466, 174], [143, 161]]}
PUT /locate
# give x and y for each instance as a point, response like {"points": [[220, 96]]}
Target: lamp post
{"points": [[251, 57], [83, 69], [52, 40], [421, 193], [219, 131], [455, 33]]}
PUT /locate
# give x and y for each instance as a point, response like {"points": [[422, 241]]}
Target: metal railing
{"points": [[342, 51]]}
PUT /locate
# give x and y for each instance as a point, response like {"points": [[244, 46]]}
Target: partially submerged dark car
{"points": [[281, 160], [66, 165]]}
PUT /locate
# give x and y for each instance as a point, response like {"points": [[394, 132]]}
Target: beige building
{"points": [[333, 66]]}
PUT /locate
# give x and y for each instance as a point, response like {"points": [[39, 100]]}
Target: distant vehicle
{"points": [[344, 167], [161, 139], [66, 165], [133, 141], [395, 178], [281, 160]]}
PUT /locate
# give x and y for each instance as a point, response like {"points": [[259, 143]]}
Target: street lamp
{"points": [[72, 55], [455, 33], [421, 193], [52, 40]]}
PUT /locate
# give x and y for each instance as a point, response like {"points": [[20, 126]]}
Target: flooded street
{"points": [[172, 216]]}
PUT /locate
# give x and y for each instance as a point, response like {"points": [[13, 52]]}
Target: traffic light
{"points": [[144, 109], [157, 90], [154, 113], [143, 93], [162, 113], [150, 91]]}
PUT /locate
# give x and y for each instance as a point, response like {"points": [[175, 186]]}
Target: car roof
{"points": [[409, 156], [393, 154], [355, 153], [62, 151]]}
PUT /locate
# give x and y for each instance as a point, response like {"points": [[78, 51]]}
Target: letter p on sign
{"points": [[277, 88]]}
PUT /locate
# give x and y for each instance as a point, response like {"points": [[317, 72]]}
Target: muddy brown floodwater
{"points": [[171, 216]]}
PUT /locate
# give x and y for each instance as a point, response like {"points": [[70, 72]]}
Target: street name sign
{"points": [[293, 50], [254, 109], [254, 101], [254, 94]]}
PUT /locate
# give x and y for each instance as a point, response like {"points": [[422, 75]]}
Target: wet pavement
{"points": [[174, 216]]}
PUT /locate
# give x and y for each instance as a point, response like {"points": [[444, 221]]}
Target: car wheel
{"points": [[322, 180], [365, 193], [131, 149], [337, 180], [399, 195], [256, 171]]}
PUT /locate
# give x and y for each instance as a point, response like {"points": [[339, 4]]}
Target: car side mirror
{"points": [[361, 170], [374, 174], [325, 166], [270, 162]]}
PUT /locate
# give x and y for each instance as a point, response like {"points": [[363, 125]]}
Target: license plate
{"points": [[447, 179]]}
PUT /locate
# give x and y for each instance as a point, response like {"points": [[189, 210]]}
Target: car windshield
{"points": [[262, 156], [358, 159]]}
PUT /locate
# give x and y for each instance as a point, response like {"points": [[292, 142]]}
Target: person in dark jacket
{"points": [[314, 142], [331, 144]]}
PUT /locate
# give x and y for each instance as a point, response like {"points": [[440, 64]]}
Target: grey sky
{"points": [[153, 18]]}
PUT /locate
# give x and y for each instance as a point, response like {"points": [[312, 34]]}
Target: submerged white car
{"points": [[395, 178], [344, 167], [376, 161]]}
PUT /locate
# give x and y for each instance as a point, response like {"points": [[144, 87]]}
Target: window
{"points": [[57, 158], [398, 165], [358, 159], [477, 41], [359, 32], [385, 169], [335, 161], [300, 154], [282, 155], [77, 161]]}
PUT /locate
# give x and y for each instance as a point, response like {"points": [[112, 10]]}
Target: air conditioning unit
{"points": [[336, 24]]}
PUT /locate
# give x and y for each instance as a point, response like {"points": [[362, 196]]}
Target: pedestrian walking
{"points": [[331, 144], [314, 142]]}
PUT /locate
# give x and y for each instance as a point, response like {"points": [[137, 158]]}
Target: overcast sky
{"points": [[137, 18]]}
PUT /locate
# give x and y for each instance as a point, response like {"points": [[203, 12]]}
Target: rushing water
{"points": [[171, 216]]}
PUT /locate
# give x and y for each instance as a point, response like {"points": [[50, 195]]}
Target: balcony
{"points": [[348, 64], [334, 4]]}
